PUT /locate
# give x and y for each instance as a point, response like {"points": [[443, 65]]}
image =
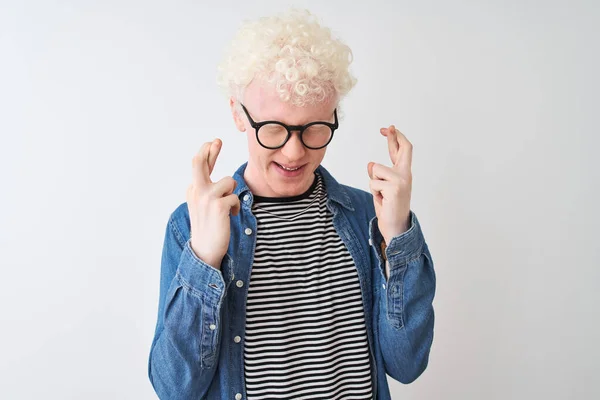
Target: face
{"points": [[263, 174]]}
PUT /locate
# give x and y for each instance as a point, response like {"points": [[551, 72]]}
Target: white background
{"points": [[104, 103]]}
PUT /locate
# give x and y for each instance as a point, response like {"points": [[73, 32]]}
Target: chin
{"points": [[286, 186]]}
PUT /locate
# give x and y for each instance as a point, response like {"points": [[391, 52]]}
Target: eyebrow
{"points": [[305, 123]]}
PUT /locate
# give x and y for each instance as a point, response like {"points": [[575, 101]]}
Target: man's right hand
{"points": [[209, 205]]}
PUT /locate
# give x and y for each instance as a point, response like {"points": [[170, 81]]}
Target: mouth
{"points": [[289, 168], [290, 171]]}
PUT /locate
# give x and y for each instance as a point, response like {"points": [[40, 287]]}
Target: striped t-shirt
{"points": [[305, 329]]}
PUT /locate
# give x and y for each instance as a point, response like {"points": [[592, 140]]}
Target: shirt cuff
{"points": [[200, 275], [402, 248]]}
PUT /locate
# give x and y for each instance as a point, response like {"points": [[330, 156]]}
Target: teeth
{"points": [[288, 169]]}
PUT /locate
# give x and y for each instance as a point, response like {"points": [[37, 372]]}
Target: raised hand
{"points": [[210, 204], [391, 186]]}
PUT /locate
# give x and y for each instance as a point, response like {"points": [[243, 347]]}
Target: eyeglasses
{"points": [[275, 134]]}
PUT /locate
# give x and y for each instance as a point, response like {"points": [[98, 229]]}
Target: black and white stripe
{"points": [[305, 329]]}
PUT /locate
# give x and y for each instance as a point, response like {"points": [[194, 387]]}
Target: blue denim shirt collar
{"points": [[335, 191]]}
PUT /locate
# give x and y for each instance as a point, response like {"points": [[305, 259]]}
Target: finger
{"points": [[382, 172], [200, 171], [214, 150], [233, 202], [393, 144], [378, 186], [370, 169], [377, 195], [404, 161], [224, 187]]}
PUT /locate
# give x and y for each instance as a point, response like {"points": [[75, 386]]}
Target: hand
{"points": [[210, 205], [391, 186]]}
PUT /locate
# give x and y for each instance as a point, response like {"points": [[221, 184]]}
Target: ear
{"points": [[237, 118]]}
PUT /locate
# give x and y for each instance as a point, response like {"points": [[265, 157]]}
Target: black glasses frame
{"points": [[290, 128]]}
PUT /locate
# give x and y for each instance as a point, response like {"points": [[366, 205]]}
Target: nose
{"points": [[294, 149]]}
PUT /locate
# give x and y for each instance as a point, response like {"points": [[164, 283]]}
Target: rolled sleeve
{"points": [[198, 274], [406, 319], [402, 248]]}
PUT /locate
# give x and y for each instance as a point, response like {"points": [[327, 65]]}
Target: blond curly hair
{"points": [[291, 51]]}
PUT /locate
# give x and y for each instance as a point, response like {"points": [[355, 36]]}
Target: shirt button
{"points": [[239, 283], [370, 242], [246, 197], [248, 231], [383, 285], [213, 327], [238, 396], [237, 339]]}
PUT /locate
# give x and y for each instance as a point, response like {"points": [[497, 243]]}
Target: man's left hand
{"points": [[391, 186]]}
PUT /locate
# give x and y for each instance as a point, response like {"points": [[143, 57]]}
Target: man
{"points": [[280, 282]]}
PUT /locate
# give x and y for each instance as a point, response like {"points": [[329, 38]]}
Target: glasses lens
{"points": [[272, 135], [317, 135]]}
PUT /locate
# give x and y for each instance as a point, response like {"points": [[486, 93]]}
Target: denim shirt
{"points": [[197, 348]]}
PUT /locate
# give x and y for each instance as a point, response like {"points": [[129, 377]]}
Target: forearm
{"points": [[185, 348], [406, 318], [177, 365], [184, 356], [406, 311]]}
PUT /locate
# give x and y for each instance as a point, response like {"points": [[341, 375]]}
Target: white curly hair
{"points": [[291, 51]]}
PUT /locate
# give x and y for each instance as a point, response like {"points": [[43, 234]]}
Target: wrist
{"points": [[211, 260]]}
